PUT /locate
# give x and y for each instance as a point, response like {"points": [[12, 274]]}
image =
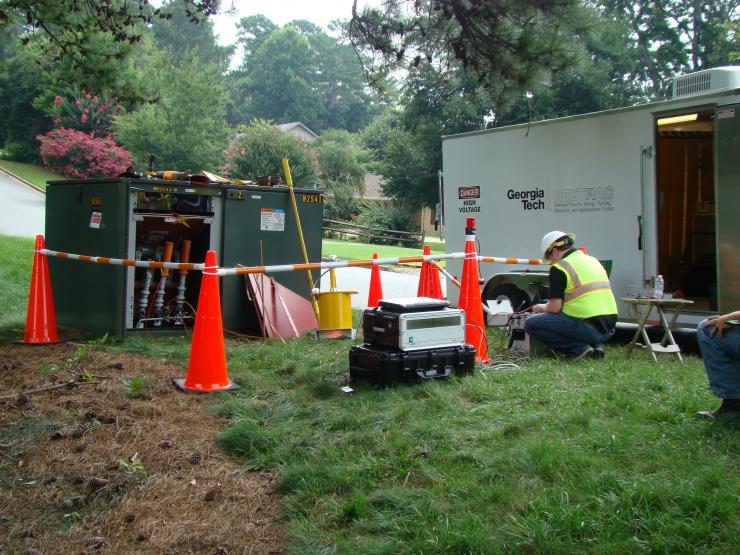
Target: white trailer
{"points": [[654, 188]]}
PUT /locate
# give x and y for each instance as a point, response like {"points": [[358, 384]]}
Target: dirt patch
{"points": [[121, 463]]}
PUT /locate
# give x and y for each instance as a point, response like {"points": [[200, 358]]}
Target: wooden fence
{"points": [[368, 234]]}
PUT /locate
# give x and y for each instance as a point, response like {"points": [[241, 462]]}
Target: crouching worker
{"points": [[581, 313], [719, 341]]}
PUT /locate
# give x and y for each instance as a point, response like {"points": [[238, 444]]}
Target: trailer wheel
{"points": [[508, 292]]}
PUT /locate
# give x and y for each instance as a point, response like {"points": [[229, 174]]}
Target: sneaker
{"points": [[598, 352], [586, 352]]}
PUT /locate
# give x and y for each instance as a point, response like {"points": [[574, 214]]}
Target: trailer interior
{"points": [[686, 206]]}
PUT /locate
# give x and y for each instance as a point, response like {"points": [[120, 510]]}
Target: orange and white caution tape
{"points": [[241, 270], [123, 261], [500, 260], [336, 264]]}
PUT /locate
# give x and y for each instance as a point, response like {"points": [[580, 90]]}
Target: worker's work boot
{"points": [[727, 407], [598, 352], [588, 351]]}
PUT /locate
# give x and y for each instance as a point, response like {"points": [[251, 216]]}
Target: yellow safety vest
{"points": [[587, 289]]}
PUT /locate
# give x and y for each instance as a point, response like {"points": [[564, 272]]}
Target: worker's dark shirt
{"points": [[558, 280]]}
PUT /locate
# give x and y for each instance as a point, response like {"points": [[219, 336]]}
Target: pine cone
{"points": [[81, 430], [96, 483], [59, 434], [80, 447], [71, 503], [211, 495], [166, 444], [195, 458], [22, 399], [96, 542]]}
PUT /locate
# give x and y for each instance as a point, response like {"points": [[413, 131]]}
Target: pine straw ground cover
{"points": [[121, 463]]}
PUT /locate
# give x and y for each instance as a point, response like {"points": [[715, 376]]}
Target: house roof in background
{"points": [[299, 129]]}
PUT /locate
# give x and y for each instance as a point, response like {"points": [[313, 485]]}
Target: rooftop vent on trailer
{"points": [[708, 80]]}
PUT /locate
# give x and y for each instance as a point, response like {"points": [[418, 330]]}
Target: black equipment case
{"points": [[382, 367]]}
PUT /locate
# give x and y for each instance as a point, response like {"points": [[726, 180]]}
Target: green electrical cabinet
{"points": [[138, 218], [260, 230]]}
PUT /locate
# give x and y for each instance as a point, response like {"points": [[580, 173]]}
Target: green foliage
{"points": [[21, 81], [341, 201], [69, 520], [21, 150], [259, 149], [133, 467], [409, 169], [134, 387], [506, 45], [340, 158], [299, 73], [184, 40], [671, 37], [342, 172], [186, 128], [383, 218], [91, 37], [72, 363], [85, 112], [252, 32]]}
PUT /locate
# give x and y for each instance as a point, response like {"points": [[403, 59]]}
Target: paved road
{"points": [[395, 284], [21, 208]]}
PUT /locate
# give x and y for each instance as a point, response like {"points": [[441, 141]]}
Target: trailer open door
{"points": [[727, 158], [686, 205]]}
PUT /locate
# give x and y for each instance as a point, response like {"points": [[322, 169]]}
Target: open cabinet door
{"points": [[728, 206]]}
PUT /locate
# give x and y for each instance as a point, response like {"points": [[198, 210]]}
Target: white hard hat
{"points": [[555, 239]]}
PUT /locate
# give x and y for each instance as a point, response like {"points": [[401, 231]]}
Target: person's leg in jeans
{"points": [[722, 362], [570, 335]]}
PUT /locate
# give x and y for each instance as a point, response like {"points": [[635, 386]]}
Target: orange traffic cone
{"points": [[429, 285], [422, 290], [41, 322], [470, 300], [435, 285], [376, 288], [207, 364]]}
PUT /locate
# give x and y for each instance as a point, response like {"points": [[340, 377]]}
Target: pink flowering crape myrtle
{"points": [[78, 154]]}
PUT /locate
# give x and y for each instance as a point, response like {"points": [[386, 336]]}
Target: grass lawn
{"points": [[35, 174], [16, 260], [350, 250], [546, 456]]}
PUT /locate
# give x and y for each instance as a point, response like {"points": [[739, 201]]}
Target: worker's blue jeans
{"points": [[564, 333], [721, 359]]}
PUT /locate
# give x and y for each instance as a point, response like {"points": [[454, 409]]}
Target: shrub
{"points": [[341, 202], [258, 150], [385, 219], [88, 113], [77, 154], [21, 151]]}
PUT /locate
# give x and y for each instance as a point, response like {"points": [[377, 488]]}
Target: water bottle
{"points": [[658, 292]]}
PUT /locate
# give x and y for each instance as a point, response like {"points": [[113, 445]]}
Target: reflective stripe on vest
{"points": [[592, 298]]}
